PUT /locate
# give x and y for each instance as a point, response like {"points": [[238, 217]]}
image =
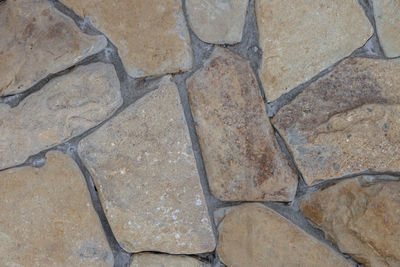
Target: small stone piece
{"points": [[143, 165], [361, 217], [303, 37], [241, 155], [345, 122], [157, 260], [65, 107], [47, 218], [216, 21], [387, 18], [254, 235], [151, 35], [37, 40]]}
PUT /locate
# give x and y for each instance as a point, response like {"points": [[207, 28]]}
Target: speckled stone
{"points": [[162, 260]]}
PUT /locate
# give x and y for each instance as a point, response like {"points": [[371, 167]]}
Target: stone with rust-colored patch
{"points": [[362, 217], [241, 155], [345, 122], [37, 40], [301, 38], [157, 260], [47, 218], [65, 107]]}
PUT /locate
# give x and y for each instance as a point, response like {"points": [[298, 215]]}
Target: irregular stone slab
{"points": [[387, 18], [345, 122], [254, 235], [301, 38], [361, 217], [241, 155], [65, 107], [157, 260], [151, 35], [47, 218], [215, 21], [143, 165], [37, 40]]}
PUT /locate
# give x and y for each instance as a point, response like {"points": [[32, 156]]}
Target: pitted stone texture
{"points": [[47, 218], [37, 40], [160, 260], [65, 107], [387, 18], [301, 38], [143, 165], [254, 235], [361, 217], [241, 155], [345, 122], [151, 35], [216, 21]]}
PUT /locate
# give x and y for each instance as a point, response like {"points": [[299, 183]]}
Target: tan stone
{"points": [[158, 260], [143, 165], [241, 155], [47, 218], [345, 122], [254, 235], [216, 21], [65, 107], [301, 38], [151, 35], [37, 40], [361, 217], [387, 18]]}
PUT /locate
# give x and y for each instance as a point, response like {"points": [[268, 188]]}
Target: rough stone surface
{"points": [[37, 40], [143, 165], [157, 260], [216, 21], [361, 217], [47, 218], [387, 18], [65, 107], [345, 122], [301, 38], [241, 155], [254, 235], [151, 35]]}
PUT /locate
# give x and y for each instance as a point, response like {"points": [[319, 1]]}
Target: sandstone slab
{"points": [[151, 35], [301, 38], [216, 21], [345, 122], [361, 217], [47, 218], [157, 260], [241, 155], [254, 235], [143, 165], [65, 107], [37, 40]]}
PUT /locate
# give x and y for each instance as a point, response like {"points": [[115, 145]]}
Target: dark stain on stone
{"points": [[56, 30]]}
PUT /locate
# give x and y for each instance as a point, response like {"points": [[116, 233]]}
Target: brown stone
{"points": [[47, 218], [254, 235], [361, 217], [37, 40], [345, 122], [157, 260], [241, 155], [151, 35], [143, 165], [65, 107], [301, 38]]}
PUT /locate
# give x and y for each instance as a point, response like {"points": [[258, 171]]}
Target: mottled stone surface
{"points": [[162, 260], [254, 235], [143, 164], [361, 217], [301, 38], [241, 155], [216, 21], [47, 218], [387, 18], [151, 35], [345, 122], [65, 107], [37, 40]]}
